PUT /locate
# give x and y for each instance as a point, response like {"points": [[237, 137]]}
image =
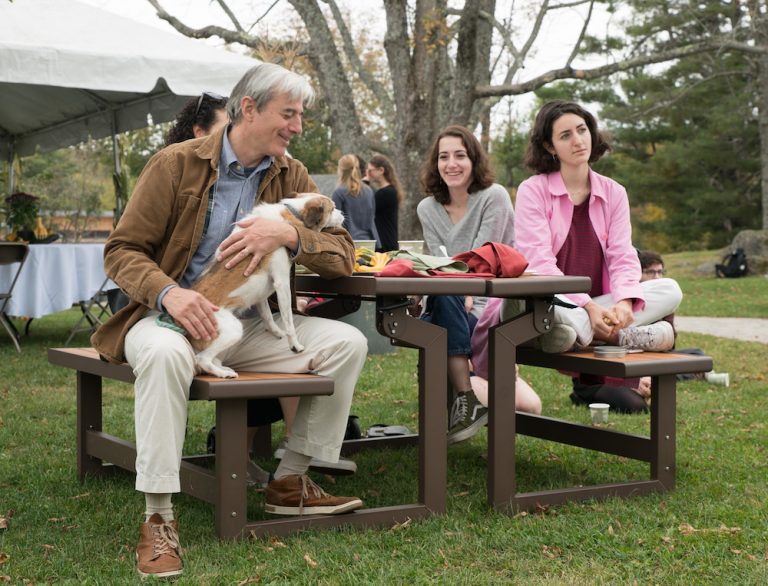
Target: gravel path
{"points": [[741, 328]]}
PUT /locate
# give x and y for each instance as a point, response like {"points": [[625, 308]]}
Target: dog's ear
{"points": [[316, 212]]}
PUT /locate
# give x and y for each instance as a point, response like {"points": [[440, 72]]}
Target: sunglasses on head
{"points": [[211, 96]]}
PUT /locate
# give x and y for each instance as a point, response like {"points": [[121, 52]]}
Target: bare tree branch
{"points": [[684, 92], [263, 16], [364, 74], [207, 31], [231, 15], [596, 72], [577, 44]]}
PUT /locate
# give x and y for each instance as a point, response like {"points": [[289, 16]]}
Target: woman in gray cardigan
{"points": [[464, 210]]}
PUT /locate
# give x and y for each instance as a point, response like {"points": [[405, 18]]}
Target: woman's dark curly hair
{"points": [[537, 157], [482, 175], [190, 115]]}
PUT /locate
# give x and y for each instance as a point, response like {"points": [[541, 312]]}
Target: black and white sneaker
{"points": [[467, 417]]}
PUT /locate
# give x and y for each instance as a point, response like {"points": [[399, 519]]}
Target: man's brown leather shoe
{"points": [[298, 495], [159, 553]]}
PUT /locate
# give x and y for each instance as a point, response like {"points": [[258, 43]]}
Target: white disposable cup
{"points": [[599, 412], [718, 378]]}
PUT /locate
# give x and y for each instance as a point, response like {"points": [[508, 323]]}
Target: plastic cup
{"points": [[718, 378], [599, 412]]}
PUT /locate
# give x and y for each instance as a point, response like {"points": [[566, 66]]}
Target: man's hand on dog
{"points": [[258, 238], [191, 311]]}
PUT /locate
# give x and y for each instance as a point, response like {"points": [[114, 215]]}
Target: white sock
{"points": [[292, 463], [158, 503]]}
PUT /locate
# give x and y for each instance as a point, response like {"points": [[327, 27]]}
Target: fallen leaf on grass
{"points": [[3, 523], [79, 496], [4, 557], [453, 533], [521, 514], [310, 562], [5, 578], [462, 493], [372, 492], [1, 422], [398, 402], [551, 552], [688, 529], [402, 525], [382, 469], [610, 529], [329, 479], [277, 543], [249, 581]]}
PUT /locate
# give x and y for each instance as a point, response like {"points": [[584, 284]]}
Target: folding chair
{"points": [[10, 253], [94, 311]]}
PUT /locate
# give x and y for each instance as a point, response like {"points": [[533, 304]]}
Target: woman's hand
{"points": [[601, 320], [622, 314], [469, 303], [644, 387]]}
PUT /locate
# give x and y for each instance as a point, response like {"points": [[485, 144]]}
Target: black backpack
{"points": [[734, 265]]}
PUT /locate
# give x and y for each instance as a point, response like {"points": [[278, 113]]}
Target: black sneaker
{"points": [[467, 417]]}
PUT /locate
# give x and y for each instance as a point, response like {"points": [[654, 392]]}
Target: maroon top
{"points": [[581, 255]]}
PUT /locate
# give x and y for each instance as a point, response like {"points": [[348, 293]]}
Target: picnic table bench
{"points": [[225, 485], [658, 449]]}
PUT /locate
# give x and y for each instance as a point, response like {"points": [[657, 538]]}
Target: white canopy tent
{"points": [[69, 71]]}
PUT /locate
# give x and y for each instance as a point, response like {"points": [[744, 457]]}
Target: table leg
{"points": [[663, 399], [432, 341], [231, 458], [88, 419], [503, 340]]}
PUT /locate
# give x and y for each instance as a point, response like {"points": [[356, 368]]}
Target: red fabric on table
{"points": [[495, 258]]}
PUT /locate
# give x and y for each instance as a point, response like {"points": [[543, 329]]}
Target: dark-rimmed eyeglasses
{"points": [[211, 96], [654, 272]]}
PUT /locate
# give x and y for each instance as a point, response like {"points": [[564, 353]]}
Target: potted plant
{"points": [[21, 214]]}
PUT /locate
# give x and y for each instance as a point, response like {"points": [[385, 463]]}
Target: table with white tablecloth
{"points": [[55, 277]]}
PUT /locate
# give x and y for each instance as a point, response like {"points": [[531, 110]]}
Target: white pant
{"points": [[163, 362], [662, 297]]}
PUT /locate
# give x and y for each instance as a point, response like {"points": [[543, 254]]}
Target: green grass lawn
{"points": [[710, 530]]}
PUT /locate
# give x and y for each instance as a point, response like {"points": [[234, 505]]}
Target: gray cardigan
{"points": [[489, 218]]}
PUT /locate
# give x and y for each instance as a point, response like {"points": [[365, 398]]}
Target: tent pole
{"points": [[117, 176], [11, 169]]}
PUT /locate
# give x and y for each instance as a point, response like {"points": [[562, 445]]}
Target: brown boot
{"points": [[159, 553], [297, 495]]}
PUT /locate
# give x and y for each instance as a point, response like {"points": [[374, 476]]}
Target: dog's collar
{"points": [[297, 214]]}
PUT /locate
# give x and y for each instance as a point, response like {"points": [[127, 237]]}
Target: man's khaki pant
{"points": [[163, 362]]}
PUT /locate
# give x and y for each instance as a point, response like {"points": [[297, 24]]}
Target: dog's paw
{"points": [[223, 372], [296, 347]]}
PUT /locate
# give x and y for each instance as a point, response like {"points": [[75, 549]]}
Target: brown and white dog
{"points": [[233, 292]]}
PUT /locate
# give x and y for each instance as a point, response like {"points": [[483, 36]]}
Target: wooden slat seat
{"points": [[225, 484], [658, 449]]}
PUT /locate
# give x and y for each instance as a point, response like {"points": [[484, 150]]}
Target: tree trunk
{"points": [[337, 91]]}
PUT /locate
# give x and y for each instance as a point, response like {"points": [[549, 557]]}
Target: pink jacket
{"points": [[543, 213]]}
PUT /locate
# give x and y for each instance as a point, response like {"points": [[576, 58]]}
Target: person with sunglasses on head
{"points": [[178, 220], [199, 117]]}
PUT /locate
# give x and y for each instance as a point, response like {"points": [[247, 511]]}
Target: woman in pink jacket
{"points": [[573, 221]]}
